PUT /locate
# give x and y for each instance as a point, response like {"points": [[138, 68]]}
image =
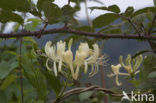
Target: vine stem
{"points": [[76, 32], [87, 15], [103, 75], [84, 89], [21, 74]]}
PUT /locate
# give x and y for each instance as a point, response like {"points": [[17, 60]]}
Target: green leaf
{"points": [[113, 31], [35, 77], [35, 12], [135, 82], [144, 10], [52, 12], [85, 95], [16, 27], [129, 11], [53, 81], [152, 75], [6, 68], [139, 53], [38, 82], [33, 25], [85, 28], [104, 20], [149, 65], [9, 80], [112, 8], [3, 97], [6, 16], [67, 13], [154, 2], [40, 4], [19, 5]]}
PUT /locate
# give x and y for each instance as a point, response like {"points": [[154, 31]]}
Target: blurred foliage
{"points": [[38, 82]]}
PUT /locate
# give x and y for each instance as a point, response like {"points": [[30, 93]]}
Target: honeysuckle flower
{"points": [[84, 56], [68, 58], [60, 50], [115, 69], [130, 65], [93, 60], [81, 54], [51, 54]]}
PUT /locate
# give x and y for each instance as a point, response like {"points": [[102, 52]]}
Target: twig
{"points": [[103, 75], [66, 23], [76, 32], [86, 11], [68, 2], [21, 74], [80, 90], [41, 31], [150, 29], [134, 26]]}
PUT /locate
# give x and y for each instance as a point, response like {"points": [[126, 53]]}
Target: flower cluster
{"points": [[63, 57], [130, 65]]}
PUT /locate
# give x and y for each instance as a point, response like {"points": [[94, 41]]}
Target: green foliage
{"points": [[40, 4], [53, 82], [147, 73], [35, 77], [139, 53], [6, 68], [105, 19], [33, 24], [154, 2], [85, 95], [51, 10], [38, 83], [8, 81], [85, 28], [3, 98], [6, 16], [129, 11], [15, 5], [152, 74], [112, 8], [68, 13], [144, 10]]}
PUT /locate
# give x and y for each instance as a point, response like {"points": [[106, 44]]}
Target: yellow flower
{"points": [[51, 53], [92, 60], [81, 54], [84, 56], [131, 69], [128, 63], [116, 73], [60, 50]]}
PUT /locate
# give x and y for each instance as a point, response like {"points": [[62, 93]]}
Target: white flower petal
{"points": [[117, 81], [55, 69], [48, 65], [77, 72]]}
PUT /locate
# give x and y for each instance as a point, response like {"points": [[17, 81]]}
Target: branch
{"points": [[80, 90], [133, 25], [21, 74], [153, 21], [76, 32]]}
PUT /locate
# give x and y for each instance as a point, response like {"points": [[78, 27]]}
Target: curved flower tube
{"points": [[116, 73], [128, 66]]}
